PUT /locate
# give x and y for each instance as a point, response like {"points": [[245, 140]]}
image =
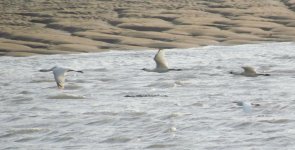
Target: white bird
{"points": [[59, 75], [249, 72], [161, 63], [247, 106]]}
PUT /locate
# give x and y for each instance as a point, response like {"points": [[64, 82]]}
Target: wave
{"points": [[66, 96]]}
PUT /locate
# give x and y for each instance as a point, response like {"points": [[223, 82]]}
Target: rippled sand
{"points": [[190, 109], [29, 27]]}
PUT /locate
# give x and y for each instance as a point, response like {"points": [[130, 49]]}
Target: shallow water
{"points": [[116, 105]]}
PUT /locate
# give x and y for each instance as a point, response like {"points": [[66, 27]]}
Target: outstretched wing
{"points": [[59, 76], [160, 60]]}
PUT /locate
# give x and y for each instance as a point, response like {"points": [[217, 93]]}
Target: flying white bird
{"points": [[59, 75], [249, 72], [161, 63], [247, 106]]}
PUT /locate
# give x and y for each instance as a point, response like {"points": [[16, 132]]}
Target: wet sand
{"points": [[29, 27]]}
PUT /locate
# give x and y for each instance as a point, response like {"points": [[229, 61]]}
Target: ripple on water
{"points": [[74, 147], [65, 96], [197, 114], [182, 82], [41, 80], [273, 120], [72, 86], [96, 70], [284, 57], [18, 132], [26, 92], [242, 124], [176, 115], [161, 146], [100, 121], [117, 140], [163, 84], [39, 109], [62, 139], [27, 139], [81, 81], [57, 137], [12, 119], [145, 95], [21, 100]]}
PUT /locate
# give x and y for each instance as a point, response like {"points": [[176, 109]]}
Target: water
{"points": [[115, 105]]}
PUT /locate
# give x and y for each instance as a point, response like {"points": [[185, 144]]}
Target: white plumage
{"points": [[247, 108], [59, 75], [249, 72], [161, 63]]}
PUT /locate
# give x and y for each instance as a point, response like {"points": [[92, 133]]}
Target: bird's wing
{"points": [[44, 70], [59, 76], [69, 70], [160, 60]]}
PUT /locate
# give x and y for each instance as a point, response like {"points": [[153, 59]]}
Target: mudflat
{"points": [[29, 27]]}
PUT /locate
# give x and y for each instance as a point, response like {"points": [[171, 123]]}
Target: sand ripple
{"points": [[39, 27]]}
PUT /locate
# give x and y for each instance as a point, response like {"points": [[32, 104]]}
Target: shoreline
{"points": [[61, 27]]}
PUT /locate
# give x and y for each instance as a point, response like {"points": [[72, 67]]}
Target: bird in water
{"points": [[249, 72], [59, 74], [161, 63]]}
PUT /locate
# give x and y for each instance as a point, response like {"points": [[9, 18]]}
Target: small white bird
{"points": [[161, 63], [247, 106], [59, 75], [249, 72]]}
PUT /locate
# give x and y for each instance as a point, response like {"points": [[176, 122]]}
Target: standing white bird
{"points": [[161, 63], [59, 75], [249, 72]]}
